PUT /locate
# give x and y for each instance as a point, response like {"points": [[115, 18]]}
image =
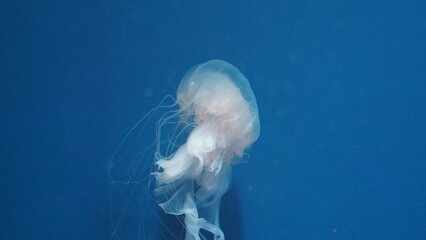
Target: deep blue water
{"points": [[341, 89]]}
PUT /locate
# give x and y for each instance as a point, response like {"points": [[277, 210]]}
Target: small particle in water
{"points": [[147, 92]]}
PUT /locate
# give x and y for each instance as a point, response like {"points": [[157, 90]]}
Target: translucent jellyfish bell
{"points": [[217, 101]]}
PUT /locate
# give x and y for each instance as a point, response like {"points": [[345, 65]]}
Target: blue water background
{"points": [[341, 89]]}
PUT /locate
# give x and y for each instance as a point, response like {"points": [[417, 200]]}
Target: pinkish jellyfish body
{"points": [[217, 101]]}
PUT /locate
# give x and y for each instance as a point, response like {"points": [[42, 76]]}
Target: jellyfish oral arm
{"points": [[181, 164], [204, 144], [198, 154]]}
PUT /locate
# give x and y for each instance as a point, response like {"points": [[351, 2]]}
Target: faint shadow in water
{"points": [[230, 221]]}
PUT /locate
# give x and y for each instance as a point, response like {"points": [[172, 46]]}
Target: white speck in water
{"points": [[147, 92]]}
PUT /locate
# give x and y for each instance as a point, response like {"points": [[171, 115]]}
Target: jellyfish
{"points": [[218, 104]]}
